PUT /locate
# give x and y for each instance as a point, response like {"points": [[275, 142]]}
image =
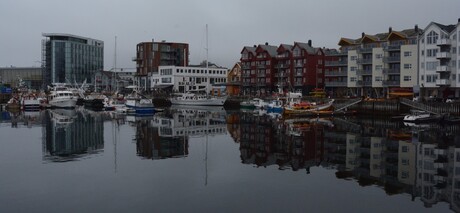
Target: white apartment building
{"points": [[184, 79], [439, 73]]}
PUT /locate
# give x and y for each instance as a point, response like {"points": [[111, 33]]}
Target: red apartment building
{"points": [[266, 68]]}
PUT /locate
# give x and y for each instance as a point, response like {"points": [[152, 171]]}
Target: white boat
{"points": [[196, 99], [30, 102], [259, 103], [140, 104], [420, 116], [61, 97], [275, 106]]}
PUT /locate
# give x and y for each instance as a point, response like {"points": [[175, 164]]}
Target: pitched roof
{"points": [[305, 46], [287, 47], [270, 49], [249, 49], [447, 28]]}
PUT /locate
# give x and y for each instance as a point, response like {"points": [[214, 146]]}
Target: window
{"points": [[407, 66], [405, 161], [422, 65], [431, 65], [407, 54], [352, 79], [378, 67], [405, 149], [353, 58], [352, 68], [407, 78], [431, 52], [423, 52], [404, 175], [378, 56], [378, 78], [432, 38]]}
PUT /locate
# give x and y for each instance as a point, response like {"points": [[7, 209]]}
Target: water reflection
{"points": [[166, 135], [422, 161], [71, 134]]}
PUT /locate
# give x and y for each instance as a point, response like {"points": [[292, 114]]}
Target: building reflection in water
{"points": [[167, 135], [69, 134], [423, 161]]}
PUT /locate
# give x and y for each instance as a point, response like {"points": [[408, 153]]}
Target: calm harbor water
{"points": [[214, 160]]}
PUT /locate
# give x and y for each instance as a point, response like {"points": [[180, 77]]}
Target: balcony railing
{"points": [[394, 47], [340, 53], [443, 82], [282, 66], [246, 66], [298, 65], [443, 55], [336, 63], [443, 69], [335, 83], [335, 73], [364, 61], [246, 84], [298, 74], [364, 50], [443, 42], [298, 83], [388, 71], [261, 66], [261, 75], [392, 59], [281, 75], [391, 83], [364, 72], [245, 75], [364, 83]]}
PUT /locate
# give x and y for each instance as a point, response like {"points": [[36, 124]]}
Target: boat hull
{"points": [[63, 103], [318, 109], [207, 102]]}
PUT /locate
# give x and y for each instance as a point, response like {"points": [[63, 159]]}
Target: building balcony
{"points": [[261, 75], [394, 47], [246, 84], [246, 67], [364, 61], [282, 66], [298, 65], [298, 74], [261, 66], [443, 69], [392, 59], [364, 83], [391, 83], [245, 75], [443, 42], [443, 82], [281, 75], [335, 73], [335, 63], [388, 71], [335, 83], [363, 72], [297, 84], [364, 50], [136, 59], [441, 55], [339, 53]]}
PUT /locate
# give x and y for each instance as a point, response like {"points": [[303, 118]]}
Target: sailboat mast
{"points": [[115, 65], [207, 47]]}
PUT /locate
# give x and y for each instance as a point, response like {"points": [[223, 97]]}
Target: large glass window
{"points": [[432, 37]]}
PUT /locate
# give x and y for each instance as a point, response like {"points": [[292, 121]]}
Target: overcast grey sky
{"points": [[233, 24]]}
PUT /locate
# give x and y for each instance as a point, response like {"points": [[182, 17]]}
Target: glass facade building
{"points": [[70, 58]]}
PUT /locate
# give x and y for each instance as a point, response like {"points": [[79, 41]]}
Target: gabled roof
{"points": [[347, 41], [446, 28], [285, 47], [249, 49], [306, 47], [271, 50]]}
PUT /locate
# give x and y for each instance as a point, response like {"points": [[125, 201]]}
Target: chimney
{"points": [[309, 43], [266, 43], [459, 20], [416, 28], [255, 45], [362, 35], [390, 30]]}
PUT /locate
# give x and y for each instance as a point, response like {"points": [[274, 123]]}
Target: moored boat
{"points": [[419, 116], [61, 97], [197, 99], [309, 108], [139, 103]]}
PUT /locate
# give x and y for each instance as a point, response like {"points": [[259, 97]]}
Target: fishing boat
{"points": [[275, 106], [197, 99], [249, 104], [139, 103], [61, 97], [31, 102]]}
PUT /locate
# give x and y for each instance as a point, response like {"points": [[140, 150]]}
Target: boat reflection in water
{"points": [[69, 134], [422, 161], [166, 135]]}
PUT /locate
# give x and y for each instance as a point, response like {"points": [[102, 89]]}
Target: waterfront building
{"points": [[374, 65], [30, 76], [266, 68], [440, 61], [190, 78], [113, 80], [151, 55], [69, 58], [234, 80]]}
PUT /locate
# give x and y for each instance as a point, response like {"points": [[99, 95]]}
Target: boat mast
{"points": [[115, 65], [207, 58]]}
